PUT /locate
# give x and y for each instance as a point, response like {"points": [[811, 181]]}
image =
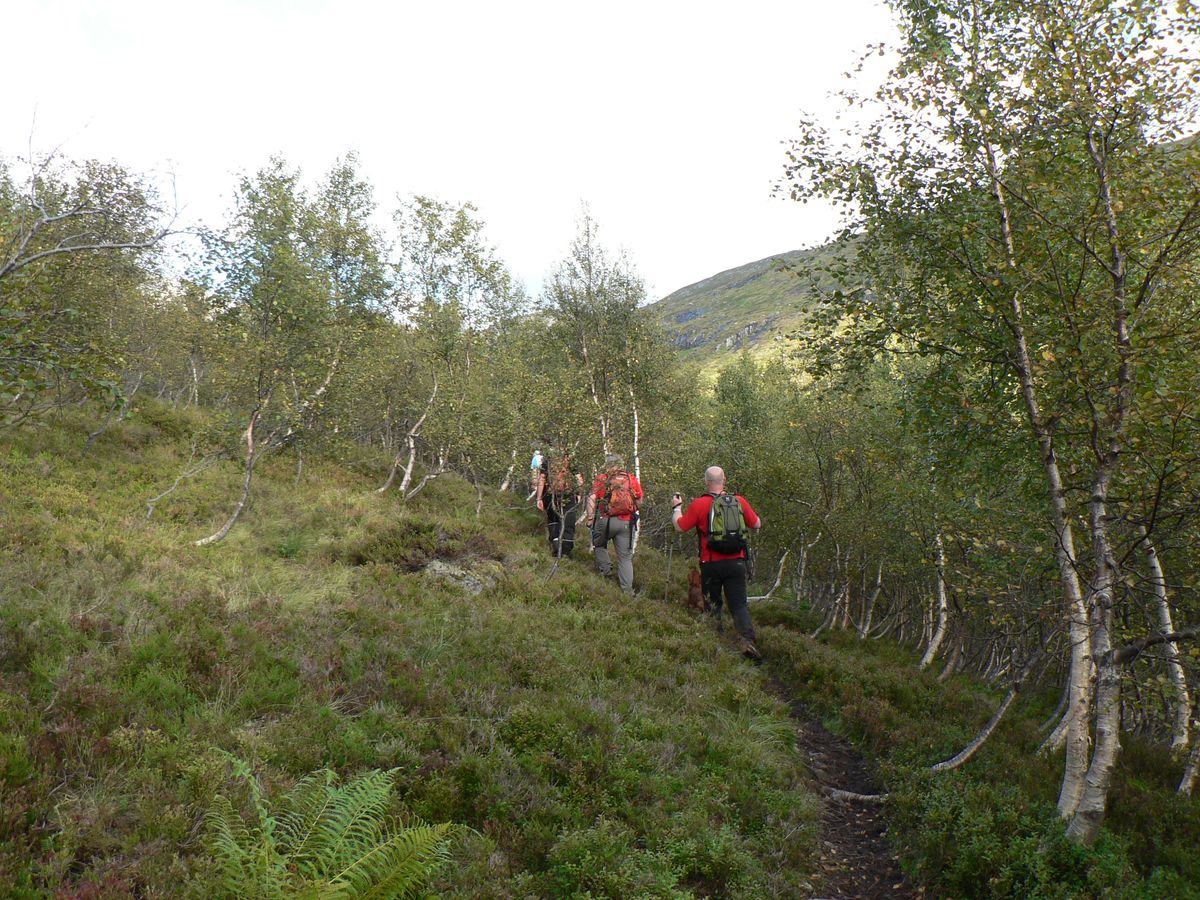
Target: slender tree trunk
{"points": [[508, 476], [941, 615], [778, 580], [1188, 782], [1057, 738], [952, 662], [1056, 717], [1079, 710], [1181, 700], [605, 440], [869, 603], [411, 444], [252, 456], [637, 457], [194, 389], [1090, 811], [967, 752], [845, 597]]}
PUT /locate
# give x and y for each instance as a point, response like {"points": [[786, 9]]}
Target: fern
{"points": [[328, 840]]}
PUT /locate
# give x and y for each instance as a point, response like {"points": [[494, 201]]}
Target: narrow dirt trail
{"points": [[856, 861]]}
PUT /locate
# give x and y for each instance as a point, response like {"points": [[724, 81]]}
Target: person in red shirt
{"points": [[722, 572], [611, 510]]}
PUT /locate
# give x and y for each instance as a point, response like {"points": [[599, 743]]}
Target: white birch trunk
{"points": [[778, 581], [869, 603], [952, 663], [1090, 810], [411, 443], [967, 752], [941, 614], [508, 476], [1077, 737], [1192, 769], [252, 456], [1182, 700]]}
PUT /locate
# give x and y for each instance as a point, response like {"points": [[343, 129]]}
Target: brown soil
{"points": [[856, 859]]}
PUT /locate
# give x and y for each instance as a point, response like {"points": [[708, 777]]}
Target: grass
{"points": [[597, 746]]}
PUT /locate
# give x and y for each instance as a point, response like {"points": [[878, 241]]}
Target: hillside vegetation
{"points": [[980, 478], [753, 307], [596, 746]]}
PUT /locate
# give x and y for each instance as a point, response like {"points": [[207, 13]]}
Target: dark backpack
{"points": [[618, 495], [559, 478], [727, 531]]}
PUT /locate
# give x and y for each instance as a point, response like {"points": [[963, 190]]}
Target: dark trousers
{"points": [[561, 512], [728, 576]]}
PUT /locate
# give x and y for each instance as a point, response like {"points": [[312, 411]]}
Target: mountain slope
{"points": [[749, 307]]}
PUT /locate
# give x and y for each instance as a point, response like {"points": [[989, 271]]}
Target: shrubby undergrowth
{"points": [[990, 829], [596, 746]]}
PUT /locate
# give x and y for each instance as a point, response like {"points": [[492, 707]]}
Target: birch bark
{"points": [[941, 612], [1180, 732]]}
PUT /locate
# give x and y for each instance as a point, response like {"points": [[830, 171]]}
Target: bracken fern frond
{"points": [[328, 841]]}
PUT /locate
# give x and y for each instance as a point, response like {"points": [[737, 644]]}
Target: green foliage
{"points": [[74, 279], [327, 840]]}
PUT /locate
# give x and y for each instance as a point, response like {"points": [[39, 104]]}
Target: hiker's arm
{"points": [[541, 504], [591, 509], [678, 519], [753, 520]]}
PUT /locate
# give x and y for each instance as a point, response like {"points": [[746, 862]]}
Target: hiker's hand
{"points": [[541, 504], [676, 499]]}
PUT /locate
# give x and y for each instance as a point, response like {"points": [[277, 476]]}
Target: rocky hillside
{"points": [[750, 307]]}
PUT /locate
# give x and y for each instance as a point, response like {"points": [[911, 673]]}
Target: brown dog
{"points": [[695, 598]]}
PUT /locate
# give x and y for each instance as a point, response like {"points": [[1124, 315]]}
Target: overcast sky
{"points": [[668, 119]]}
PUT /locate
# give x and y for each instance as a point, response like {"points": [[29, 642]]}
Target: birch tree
{"points": [[271, 278], [75, 240], [1022, 212]]}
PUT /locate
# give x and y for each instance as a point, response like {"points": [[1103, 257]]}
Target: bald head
{"points": [[714, 478]]}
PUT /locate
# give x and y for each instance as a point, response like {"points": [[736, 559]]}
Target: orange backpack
{"points": [[618, 495]]}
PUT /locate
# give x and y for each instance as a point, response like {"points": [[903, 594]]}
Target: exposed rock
{"points": [[470, 582]]}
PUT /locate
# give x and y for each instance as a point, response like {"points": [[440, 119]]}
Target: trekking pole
{"points": [[667, 584]]}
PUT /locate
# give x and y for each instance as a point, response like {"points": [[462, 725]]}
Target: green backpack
{"points": [[727, 531]]}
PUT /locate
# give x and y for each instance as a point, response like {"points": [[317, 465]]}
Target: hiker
{"points": [[559, 489], [728, 518], [612, 508], [535, 472]]}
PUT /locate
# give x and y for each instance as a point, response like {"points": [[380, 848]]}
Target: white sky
{"points": [[666, 118]]}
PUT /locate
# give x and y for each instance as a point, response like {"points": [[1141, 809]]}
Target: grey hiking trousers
{"points": [[619, 531]]}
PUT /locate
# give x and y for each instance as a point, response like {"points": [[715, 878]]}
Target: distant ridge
{"points": [[747, 307]]}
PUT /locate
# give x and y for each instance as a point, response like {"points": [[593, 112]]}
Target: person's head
{"points": [[614, 462], [714, 479]]}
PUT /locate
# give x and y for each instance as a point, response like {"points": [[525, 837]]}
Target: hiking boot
{"points": [[751, 652]]}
